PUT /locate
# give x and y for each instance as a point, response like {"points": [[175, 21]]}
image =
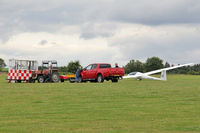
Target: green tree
{"points": [[167, 65], [73, 66], [134, 66], [153, 63], [63, 69], [2, 63]]}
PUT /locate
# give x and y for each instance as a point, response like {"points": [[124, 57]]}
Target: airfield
{"points": [[171, 106]]}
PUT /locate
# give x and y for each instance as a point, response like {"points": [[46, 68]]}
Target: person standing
{"points": [[78, 72], [116, 65]]}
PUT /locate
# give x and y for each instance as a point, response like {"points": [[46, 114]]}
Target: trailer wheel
{"points": [[100, 78], [40, 79], [80, 79], [55, 77], [71, 80], [19, 81], [31, 81]]}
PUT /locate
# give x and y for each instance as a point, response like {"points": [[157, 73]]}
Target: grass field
{"points": [[125, 107]]}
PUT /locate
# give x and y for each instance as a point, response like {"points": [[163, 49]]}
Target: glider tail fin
{"points": [[163, 75]]}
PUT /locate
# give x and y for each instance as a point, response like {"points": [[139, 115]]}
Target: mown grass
{"points": [[125, 107]]}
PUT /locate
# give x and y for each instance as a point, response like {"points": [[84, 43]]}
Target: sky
{"points": [[100, 30]]}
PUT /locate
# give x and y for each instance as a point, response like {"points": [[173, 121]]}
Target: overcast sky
{"points": [[100, 30]]}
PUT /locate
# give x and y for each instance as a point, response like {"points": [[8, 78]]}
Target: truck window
{"points": [[88, 67], [104, 66], [94, 66]]}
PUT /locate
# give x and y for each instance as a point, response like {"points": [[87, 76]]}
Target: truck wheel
{"points": [[55, 77], [100, 78], [40, 79], [114, 80], [62, 80]]}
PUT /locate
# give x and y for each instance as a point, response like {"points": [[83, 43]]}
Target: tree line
{"points": [[155, 63], [150, 64]]}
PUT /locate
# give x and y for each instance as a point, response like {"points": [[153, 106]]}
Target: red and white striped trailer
{"points": [[22, 70]]}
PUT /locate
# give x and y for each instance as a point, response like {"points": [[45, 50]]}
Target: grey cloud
{"points": [[153, 12], [35, 16], [91, 30], [172, 46], [43, 42]]}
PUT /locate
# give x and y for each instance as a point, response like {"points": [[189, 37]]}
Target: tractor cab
{"points": [[49, 66]]}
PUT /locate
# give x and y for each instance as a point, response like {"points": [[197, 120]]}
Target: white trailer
{"points": [[22, 70]]}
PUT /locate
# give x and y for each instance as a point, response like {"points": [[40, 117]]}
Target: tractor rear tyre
{"points": [[55, 77], [40, 79]]}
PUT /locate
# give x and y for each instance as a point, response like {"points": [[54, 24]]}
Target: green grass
{"points": [[125, 107], [3, 69]]}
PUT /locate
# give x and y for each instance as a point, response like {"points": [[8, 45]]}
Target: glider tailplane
{"points": [[163, 75]]}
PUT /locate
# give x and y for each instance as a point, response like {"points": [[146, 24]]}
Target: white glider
{"points": [[140, 76]]}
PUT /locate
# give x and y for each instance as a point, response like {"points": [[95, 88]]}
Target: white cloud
{"points": [[100, 30]]}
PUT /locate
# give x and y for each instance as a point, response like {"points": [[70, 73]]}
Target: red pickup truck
{"points": [[98, 72]]}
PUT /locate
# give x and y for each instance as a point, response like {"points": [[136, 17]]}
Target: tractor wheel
{"points": [[55, 77], [40, 79], [100, 78], [62, 80]]}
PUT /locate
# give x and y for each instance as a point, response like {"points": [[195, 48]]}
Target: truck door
{"points": [[85, 72], [92, 72]]}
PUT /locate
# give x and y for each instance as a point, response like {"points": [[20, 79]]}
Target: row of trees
{"points": [[155, 63], [151, 64]]}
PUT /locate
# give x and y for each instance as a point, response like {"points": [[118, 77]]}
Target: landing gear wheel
{"points": [[40, 79], [100, 79], [55, 77]]}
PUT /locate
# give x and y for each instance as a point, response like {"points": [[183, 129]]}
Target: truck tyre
{"points": [[55, 77], [114, 80], [40, 79], [62, 80], [100, 78]]}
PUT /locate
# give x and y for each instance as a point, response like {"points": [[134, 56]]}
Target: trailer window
{"points": [[104, 66]]}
